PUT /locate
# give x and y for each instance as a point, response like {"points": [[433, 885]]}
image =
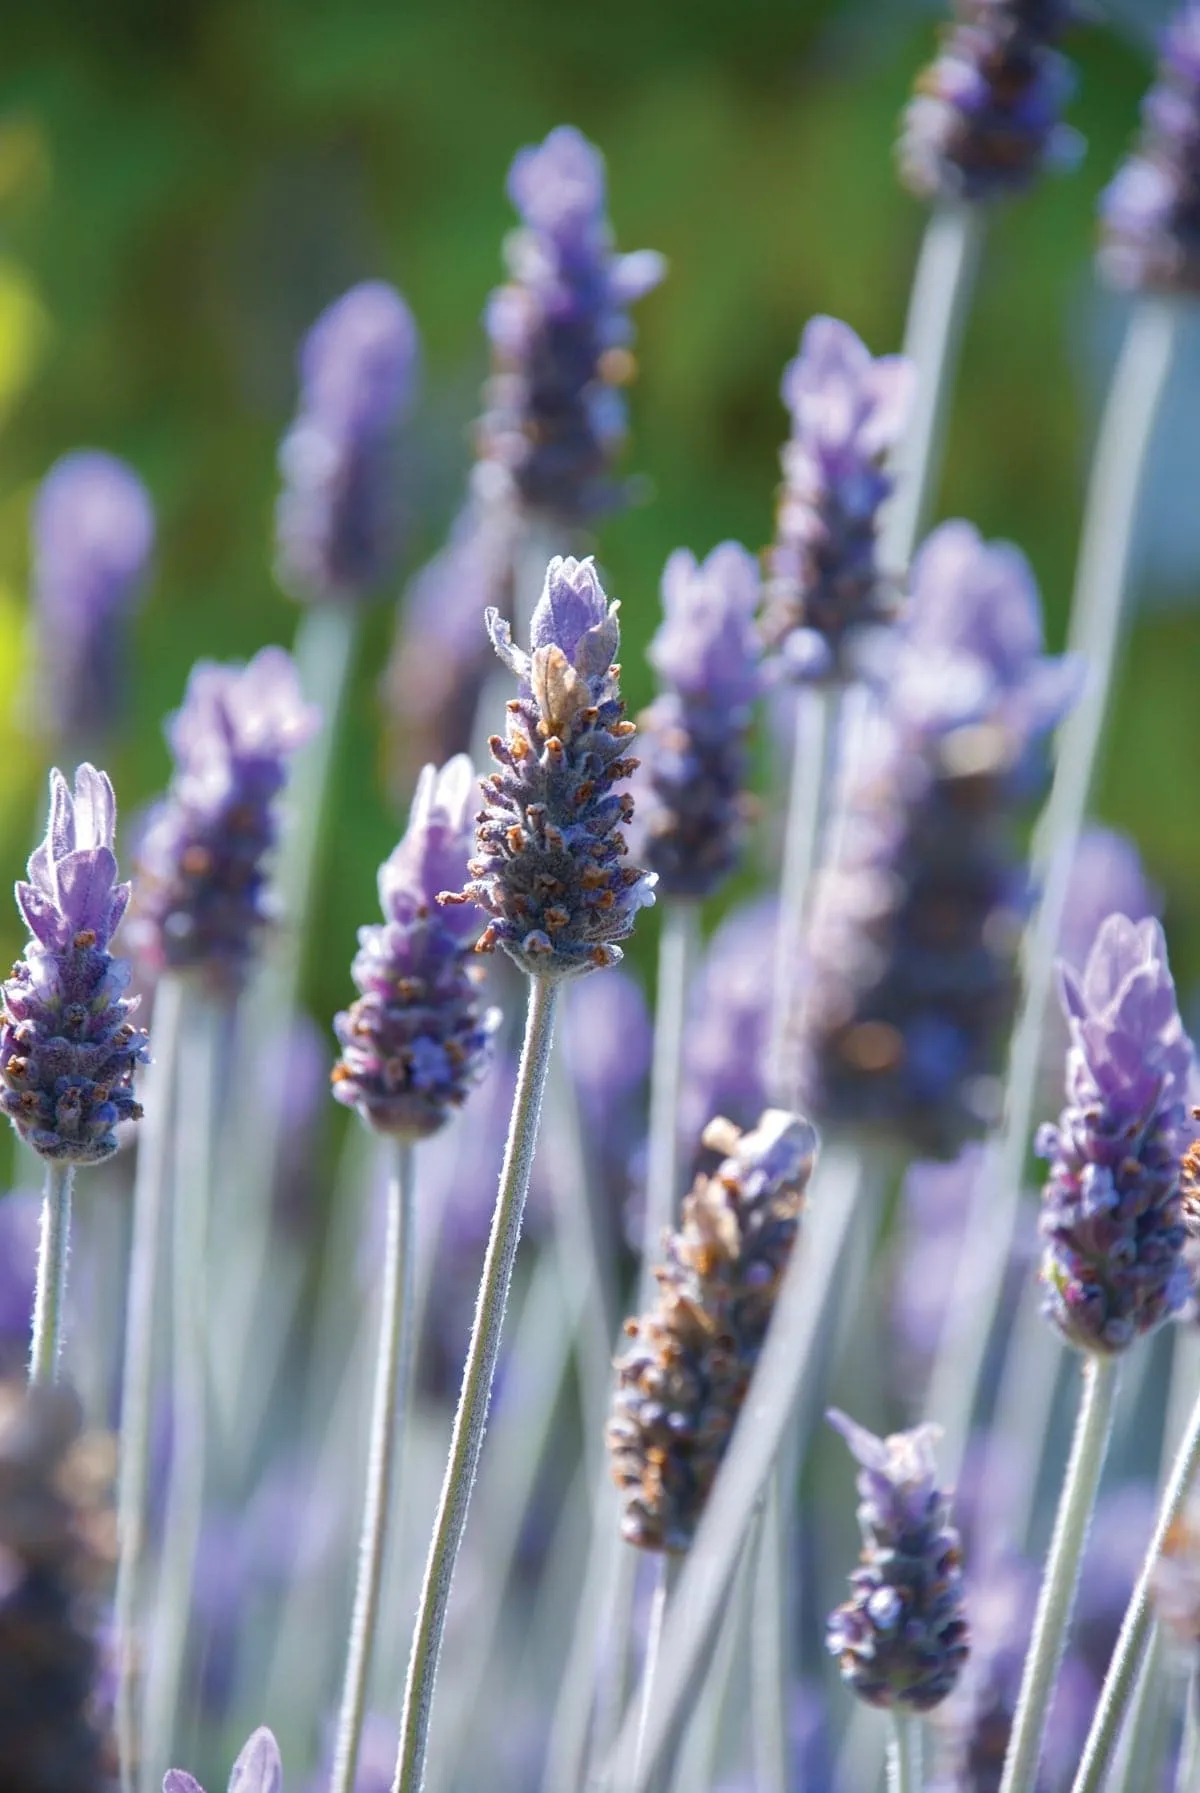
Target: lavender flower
{"points": [[901, 1638], [68, 1048], [911, 983], [548, 867], [1150, 213], [93, 531], [707, 653], [416, 1041], [681, 1384], [258, 1769], [335, 521], [560, 337], [201, 896], [824, 585], [987, 116], [1112, 1265]]}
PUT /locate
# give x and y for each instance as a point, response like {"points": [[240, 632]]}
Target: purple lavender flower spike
{"points": [[1112, 1265], [68, 1048], [1150, 213], [901, 1638], [560, 336], [912, 977], [202, 890], [548, 868], [335, 522], [93, 532], [682, 1382], [707, 652], [258, 1769], [417, 1040], [986, 119], [824, 586]]}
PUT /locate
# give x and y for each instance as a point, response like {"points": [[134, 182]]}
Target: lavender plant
{"points": [[258, 1769]]}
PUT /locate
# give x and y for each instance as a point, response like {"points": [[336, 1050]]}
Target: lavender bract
{"points": [[258, 1769], [201, 902], [693, 801], [1112, 1264], [683, 1379], [68, 1048], [417, 1040], [1150, 212], [824, 585], [560, 336], [335, 521], [986, 119], [93, 532], [548, 868], [901, 1638]]}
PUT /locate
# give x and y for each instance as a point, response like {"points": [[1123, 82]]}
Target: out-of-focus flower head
{"points": [[258, 1769], [560, 335], [911, 981], [19, 1226], [1150, 213], [901, 1638], [986, 119], [68, 1048], [824, 585], [729, 1017], [1112, 1265], [93, 533], [692, 797], [336, 521], [416, 1041], [1175, 1586], [682, 1381], [202, 897], [549, 866]]}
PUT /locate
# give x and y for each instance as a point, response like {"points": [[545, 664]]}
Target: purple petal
{"points": [[258, 1769]]}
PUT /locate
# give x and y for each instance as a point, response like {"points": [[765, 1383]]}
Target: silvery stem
{"points": [[151, 1193], [770, 1640], [905, 1751], [470, 1420], [392, 1367], [1146, 1733], [1057, 1596], [1135, 1627], [51, 1288], [654, 1631], [1098, 607]]}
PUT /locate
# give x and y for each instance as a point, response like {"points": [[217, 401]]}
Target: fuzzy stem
{"points": [[905, 1752], [770, 1636], [677, 948], [151, 1194], [1135, 1627], [51, 1289], [1057, 1596], [937, 313], [391, 1387], [470, 1421], [195, 1141], [1146, 1734], [1102, 586], [654, 1631]]}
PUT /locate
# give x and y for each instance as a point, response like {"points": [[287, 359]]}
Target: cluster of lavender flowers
{"points": [[1150, 214]]}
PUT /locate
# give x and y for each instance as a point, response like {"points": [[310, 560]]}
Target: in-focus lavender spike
{"points": [[1150, 213], [901, 1638], [337, 520], [560, 334], [201, 902], [417, 1040], [68, 1048], [1113, 1266], [549, 867], [692, 798], [986, 119]]}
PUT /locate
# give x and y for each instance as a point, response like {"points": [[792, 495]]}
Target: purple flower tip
{"points": [[1150, 220], [73, 886], [258, 1769], [559, 184]]}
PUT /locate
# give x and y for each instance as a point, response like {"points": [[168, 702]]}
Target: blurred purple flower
{"points": [[1112, 1265], [20, 1222], [560, 335], [202, 898], [258, 1769], [729, 1011], [823, 582], [1150, 212], [93, 533], [336, 520]]}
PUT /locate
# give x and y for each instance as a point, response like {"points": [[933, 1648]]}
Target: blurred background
{"points": [[183, 187]]}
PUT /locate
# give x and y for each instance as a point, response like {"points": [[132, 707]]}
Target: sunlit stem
{"points": [[51, 1287]]}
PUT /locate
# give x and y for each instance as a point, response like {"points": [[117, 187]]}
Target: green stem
{"points": [[151, 1193], [51, 1289], [1135, 1627], [470, 1421], [391, 1386], [905, 1752], [1057, 1597]]}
